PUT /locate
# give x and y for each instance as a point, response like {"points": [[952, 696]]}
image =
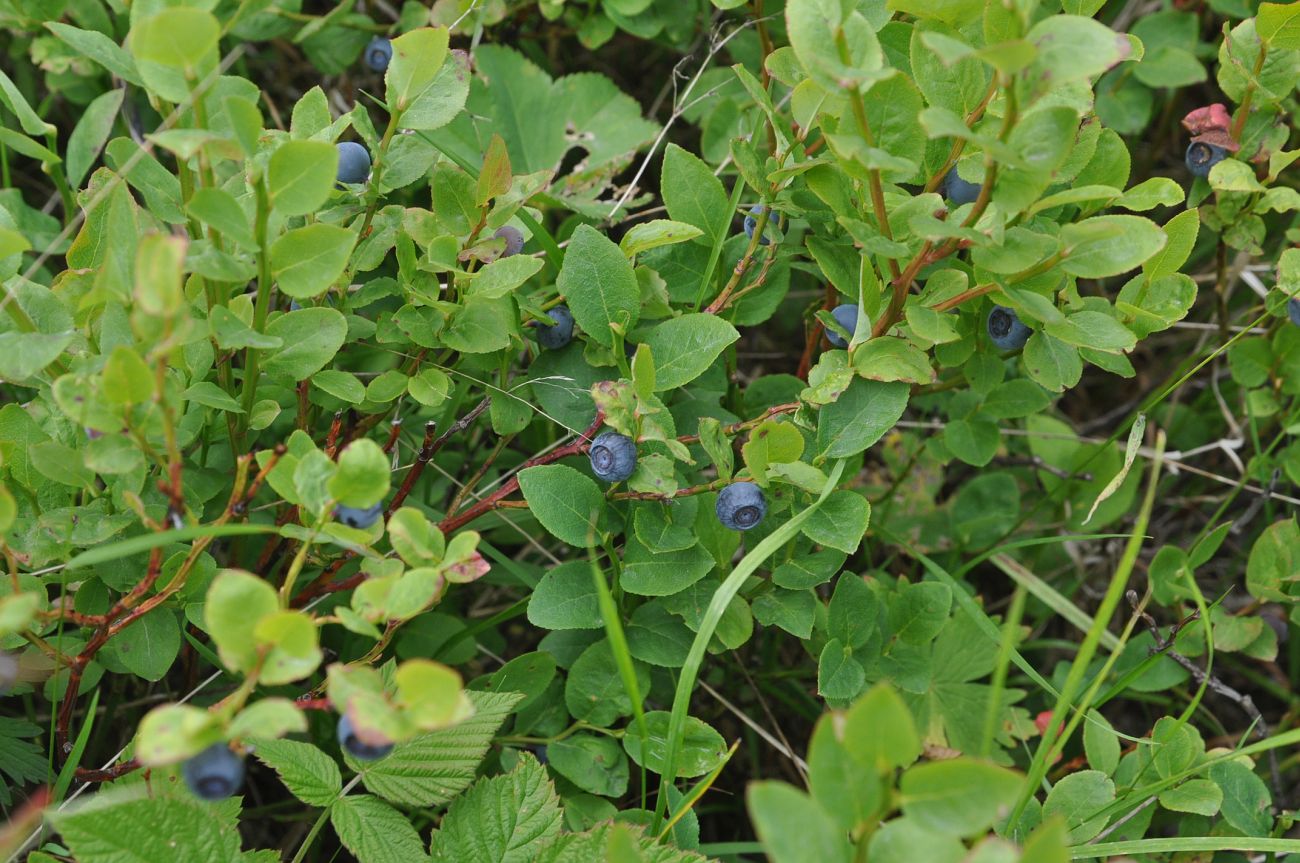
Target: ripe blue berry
{"points": [[378, 53], [354, 162], [613, 456], [1201, 157], [514, 240], [357, 517], [846, 315], [1293, 311], [215, 773], [358, 748], [1005, 329], [559, 335], [959, 191], [751, 222], [741, 506]]}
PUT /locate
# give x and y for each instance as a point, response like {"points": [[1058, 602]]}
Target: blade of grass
{"points": [[149, 541], [708, 625], [70, 766], [999, 682], [1051, 742], [1185, 843], [622, 655], [693, 797], [1050, 597], [716, 253]]}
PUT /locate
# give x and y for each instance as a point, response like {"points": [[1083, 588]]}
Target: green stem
{"points": [[251, 359]]}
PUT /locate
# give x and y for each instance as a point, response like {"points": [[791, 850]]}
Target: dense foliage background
{"points": [[649, 430]]}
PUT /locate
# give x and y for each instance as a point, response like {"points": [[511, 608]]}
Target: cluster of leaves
{"points": [[227, 353]]}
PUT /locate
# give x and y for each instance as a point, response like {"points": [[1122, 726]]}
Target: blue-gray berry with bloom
{"points": [[741, 506], [560, 333], [354, 162], [751, 224], [378, 54], [1202, 156], [215, 773], [1293, 311], [1006, 330], [514, 240], [846, 315], [613, 456], [959, 191], [359, 517], [358, 748]]}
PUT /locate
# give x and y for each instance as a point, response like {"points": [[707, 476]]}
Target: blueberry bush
{"points": [[649, 431]]}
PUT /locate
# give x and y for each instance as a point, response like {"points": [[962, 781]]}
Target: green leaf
{"points": [[363, 477], [503, 275], [174, 732], [566, 598], [474, 831], [268, 719], [663, 573], [417, 57], [1195, 796], [919, 611], [1246, 800], [307, 261], [174, 49], [794, 828], [951, 12], [686, 346], [892, 359], [311, 338], [902, 840], [97, 47], [219, 209], [644, 236], [236, 603], [840, 677], [599, 285], [430, 769], [703, 749], [128, 825], [592, 762], [959, 797], [91, 131], [127, 379], [841, 522], [595, 692], [148, 647], [1100, 743], [1109, 245], [567, 503], [300, 176], [1278, 24], [210, 395], [1077, 797], [859, 417], [309, 774], [693, 195], [375, 832], [851, 615]]}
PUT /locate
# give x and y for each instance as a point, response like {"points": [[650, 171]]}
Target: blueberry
{"points": [[613, 456], [357, 517], [354, 162], [1201, 157], [846, 315], [8, 671], [514, 240], [1293, 311], [751, 222], [559, 335], [1005, 329], [741, 506], [358, 748], [215, 773], [957, 190], [378, 53]]}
